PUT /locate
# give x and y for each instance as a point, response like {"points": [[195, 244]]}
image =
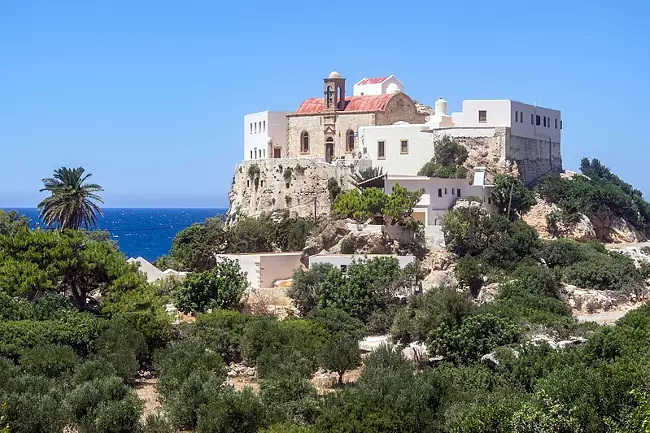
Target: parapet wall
{"points": [[298, 185]]}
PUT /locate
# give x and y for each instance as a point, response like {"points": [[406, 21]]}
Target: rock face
{"points": [[592, 301], [298, 185], [614, 229]]}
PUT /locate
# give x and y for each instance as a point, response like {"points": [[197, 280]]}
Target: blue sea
{"points": [[143, 232]]}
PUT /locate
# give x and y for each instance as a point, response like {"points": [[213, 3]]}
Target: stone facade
{"points": [[296, 185]]}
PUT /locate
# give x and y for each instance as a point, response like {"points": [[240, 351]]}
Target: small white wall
{"points": [[439, 194], [339, 260], [249, 263], [262, 128], [420, 147], [376, 89], [497, 113], [527, 129], [279, 266]]}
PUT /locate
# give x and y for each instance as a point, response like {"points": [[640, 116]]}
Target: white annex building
{"points": [[265, 134], [402, 148]]}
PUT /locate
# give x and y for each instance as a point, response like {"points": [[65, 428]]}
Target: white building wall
{"points": [[526, 128], [497, 113], [263, 132], [339, 260], [249, 263], [420, 147], [377, 88], [439, 194], [263, 269]]}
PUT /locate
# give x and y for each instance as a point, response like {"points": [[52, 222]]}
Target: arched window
{"points": [[304, 142], [330, 96], [349, 141]]}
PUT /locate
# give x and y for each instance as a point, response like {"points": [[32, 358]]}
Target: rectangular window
{"points": [[560, 124], [544, 120], [555, 123], [516, 116], [532, 120], [538, 120], [381, 149], [482, 116], [458, 192], [453, 191], [344, 269], [255, 153], [521, 117], [404, 146], [251, 154], [439, 192], [445, 191], [264, 125], [251, 127]]}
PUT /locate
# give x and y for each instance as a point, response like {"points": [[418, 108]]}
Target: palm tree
{"points": [[72, 202]]}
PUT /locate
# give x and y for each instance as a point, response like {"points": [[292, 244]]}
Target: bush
{"points": [[93, 369], [49, 360], [337, 321], [563, 252], [511, 197], [340, 354], [232, 412], [289, 397], [386, 357], [448, 160], [476, 336], [428, 311], [533, 279], [605, 271], [219, 287], [221, 332], [306, 289], [104, 405], [288, 428], [175, 364], [124, 347], [157, 424], [468, 272], [184, 403], [31, 404]]}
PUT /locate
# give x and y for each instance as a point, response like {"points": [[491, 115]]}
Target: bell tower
{"points": [[334, 92]]}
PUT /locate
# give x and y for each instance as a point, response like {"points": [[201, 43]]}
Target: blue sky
{"points": [[149, 95]]}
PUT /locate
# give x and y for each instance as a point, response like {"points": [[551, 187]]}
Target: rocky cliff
{"points": [[299, 185]]}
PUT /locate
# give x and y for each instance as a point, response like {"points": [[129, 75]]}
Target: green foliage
{"points": [[219, 287], [337, 321], [124, 347], [253, 171], [397, 205], [367, 174], [194, 247], [305, 290], [176, 363], [104, 405], [287, 428], [605, 271], [386, 357], [448, 160], [92, 369], [220, 331], [288, 172], [289, 397], [72, 202], [428, 311], [340, 354], [476, 336], [232, 412], [469, 273], [333, 188], [11, 222], [157, 424], [49, 361], [283, 347], [77, 330], [31, 404], [511, 197]]}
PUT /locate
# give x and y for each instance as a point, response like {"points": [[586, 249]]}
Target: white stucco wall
{"points": [[339, 260], [264, 131], [524, 128], [265, 268], [376, 89], [439, 194], [420, 147]]}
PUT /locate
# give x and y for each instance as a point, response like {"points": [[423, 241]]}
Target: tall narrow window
{"points": [[482, 116], [556, 123], [251, 128], [256, 153], [381, 149], [538, 120], [439, 192], [532, 122], [560, 124], [544, 120], [458, 192], [255, 128], [517, 116], [349, 140], [251, 150], [445, 191], [404, 147], [304, 142]]}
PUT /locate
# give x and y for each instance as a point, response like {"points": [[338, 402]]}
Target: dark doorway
{"points": [[329, 149], [277, 153]]}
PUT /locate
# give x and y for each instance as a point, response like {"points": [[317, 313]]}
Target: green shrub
{"points": [[253, 171], [288, 428], [511, 197], [175, 364], [476, 336], [469, 273], [563, 252], [337, 321], [232, 412], [386, 357], [93, 369], [340, 354], [104, 405], [48, 360], [448, 160], [221, 332], [124, 347], [288, 172], [32, 404], [333, 188], [305, 290], [157, 424], [219, 287], [428, 311], [289, 397], [605, 271], [14, 308], [196, 390], [51, 306], [536, 280]]}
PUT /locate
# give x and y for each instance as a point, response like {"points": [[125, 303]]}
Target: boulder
{"points": [[490, 360], [614, 229], [573, 342]]}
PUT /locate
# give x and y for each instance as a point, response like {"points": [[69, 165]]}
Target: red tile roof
{"points": [[352, 103], [372, 81]]}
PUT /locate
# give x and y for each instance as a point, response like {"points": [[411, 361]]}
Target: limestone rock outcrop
{"points": [[535, 217], [614, 229]]}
